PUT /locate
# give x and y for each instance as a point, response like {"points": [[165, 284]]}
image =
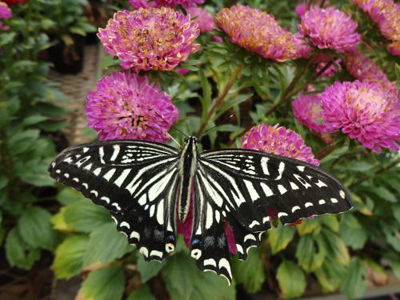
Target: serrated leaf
{"points": [[329, 275], [250, 272], [185, 281], [352, 232], [68, 260], [292, 281], [58, 221], [309, 226], [105, 245], [143, 293], [35, 228], [353, 284], [331, 222], [85, 216], [280, 237], [148, 269], [103, 284], [18, 255], [69, 196]]}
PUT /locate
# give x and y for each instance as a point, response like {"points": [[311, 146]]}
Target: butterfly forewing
{"points": [[137, 181]]}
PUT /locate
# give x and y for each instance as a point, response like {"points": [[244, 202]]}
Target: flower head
{"points": [[150, 39], [127, 106], [322, 60], [308, 111], [5, 11], [363, 68], [256, 31], [386, 15], [365, 111], [330, 29], [280, 141], [168, 3], [394, 48], [203, 18]]}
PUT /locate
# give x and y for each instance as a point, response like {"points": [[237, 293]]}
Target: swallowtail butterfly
{"points": [[148, 186]]}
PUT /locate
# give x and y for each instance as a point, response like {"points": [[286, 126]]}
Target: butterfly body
{"points": [[148, 187]]}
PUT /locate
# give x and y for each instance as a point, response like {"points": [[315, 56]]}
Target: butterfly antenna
{"points": [[172, 138], [215, 126], [172, 126]]}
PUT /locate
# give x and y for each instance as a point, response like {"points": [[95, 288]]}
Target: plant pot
{"points": [[68, 53]]}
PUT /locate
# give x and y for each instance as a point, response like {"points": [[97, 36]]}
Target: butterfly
{"points": [[148, 187]]}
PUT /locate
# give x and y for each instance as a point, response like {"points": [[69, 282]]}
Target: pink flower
{"points": [[365, 111], [363, 68], [168, 3], [5, 13], [303, 49], [203, 18], [330, 29], [150, 39], [386, 15], [127, 106], [321, 60], [301, 9], [394, 48], [280, 141], [257, 32], [308, 111]]}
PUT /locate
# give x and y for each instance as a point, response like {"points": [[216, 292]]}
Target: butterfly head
{"points": [[191, 139]]}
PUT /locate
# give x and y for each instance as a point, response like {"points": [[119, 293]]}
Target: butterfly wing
{"points": [[135, 180], [246, 188]]}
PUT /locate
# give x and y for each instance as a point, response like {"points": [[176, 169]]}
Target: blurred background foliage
{"points": [[40, 219]]}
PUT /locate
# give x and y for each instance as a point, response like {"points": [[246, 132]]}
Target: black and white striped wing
{"points": [[135, 180], [247, 188]]}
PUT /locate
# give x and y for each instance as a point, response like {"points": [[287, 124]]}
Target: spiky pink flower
{"points": [[394, 48], [364, 111], [160, 3], [203, 18], [303, 48], [330, 29], [256, 31], [386, 15], [308, 111], [303, 7], [150, 39], [280, 141], [363, 68], [127, 106]]}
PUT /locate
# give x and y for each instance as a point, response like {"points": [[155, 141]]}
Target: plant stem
{"points": [[379, 171], [217, 103], [326, 150]]}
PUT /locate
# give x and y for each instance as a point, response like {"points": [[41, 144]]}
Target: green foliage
{"points": [[291, 280]]}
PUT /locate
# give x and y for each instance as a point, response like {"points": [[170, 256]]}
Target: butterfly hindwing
{"points": [[265, 185], [137, 181]]}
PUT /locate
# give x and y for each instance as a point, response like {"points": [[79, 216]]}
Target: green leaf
{"points": [[336, 247], [35, 228], [250, 272], [148, 269], [352, 232], [309, 258], [292, 281], [331, 222], [396, 212], [85, 216], [185, 281], [105, 245], [103, 284], [35, 172], [69, 196], [18, 255], [353, 284], [392, 235], [309, 226], [384, 193], [375, 272], [329, 275], [393, 261], [280, 237], [32, 120], [143, 293], [68, 260]]}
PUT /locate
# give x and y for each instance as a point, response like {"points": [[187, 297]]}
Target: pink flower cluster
{"points": [[363, 68], [386, 15], [308, 111], [127, 106], [257, 32], [5, 13], [365, 111], [330, 29], [150, 39], [279, 141], [203, 18], [136, 4]]}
